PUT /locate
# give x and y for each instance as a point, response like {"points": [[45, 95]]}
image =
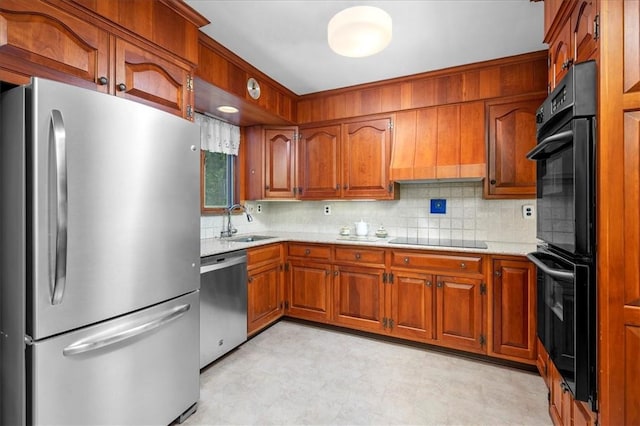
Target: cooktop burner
{"points": [[440, 242]]}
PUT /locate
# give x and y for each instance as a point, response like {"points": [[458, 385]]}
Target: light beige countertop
{"points": [[213, 246]]}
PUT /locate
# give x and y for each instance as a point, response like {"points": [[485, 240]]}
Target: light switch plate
{"points": [[528, 211]]}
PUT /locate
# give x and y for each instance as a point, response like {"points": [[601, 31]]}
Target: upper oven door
{"points": [[565, 187]]}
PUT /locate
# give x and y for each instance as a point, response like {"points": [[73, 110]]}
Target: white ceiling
{"points": [[287, 39]]}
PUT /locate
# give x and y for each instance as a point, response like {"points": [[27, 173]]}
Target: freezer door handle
{"points": [[58, 259], [112, 337]]}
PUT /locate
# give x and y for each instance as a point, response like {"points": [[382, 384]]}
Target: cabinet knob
{"points": [[428, 283], [327, 273], [406, 260], [266, 187], [122, 87], [335, 273], [102, 81], [345, 187], [463, 265], [358, 256], [307, 252], [250, 279], [492, 181], [440, 284]]}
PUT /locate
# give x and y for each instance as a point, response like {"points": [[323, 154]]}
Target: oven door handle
{"points": [[543, 149], [555, 273]]}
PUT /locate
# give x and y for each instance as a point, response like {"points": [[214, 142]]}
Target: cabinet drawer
{"points": [[265, 254], [440, 262], [359, 255], [310, 251]]}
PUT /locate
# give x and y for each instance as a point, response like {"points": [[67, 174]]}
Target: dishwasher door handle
{"points": [[222, 263]]}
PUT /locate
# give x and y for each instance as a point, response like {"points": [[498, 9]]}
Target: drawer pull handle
{"points": [[358, 256], [406, 260], [307, 252], [463, 265]]}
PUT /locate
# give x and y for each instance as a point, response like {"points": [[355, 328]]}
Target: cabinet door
{"points": [[279, 153], [412, 305], [309, 290], [542, 361], [319, 162], [560, 54], [459, 312], [514, 309], [366, 155], [425, 161], [582, 414], [473, 151], [147, 78], [41, 40], [583, 23], [358, 297], [512, 134], [264, 298], [560, 400]]}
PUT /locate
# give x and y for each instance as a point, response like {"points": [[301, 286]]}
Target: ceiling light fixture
{"points": [[359, 31], [228, 109]]}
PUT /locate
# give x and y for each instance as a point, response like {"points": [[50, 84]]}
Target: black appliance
{"points": [[566, 226]]}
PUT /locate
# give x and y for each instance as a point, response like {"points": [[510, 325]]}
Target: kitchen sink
{"points": [[249, 238]]}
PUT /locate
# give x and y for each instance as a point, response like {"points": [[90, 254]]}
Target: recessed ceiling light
{"points": [[228, 109], [359, 31]]}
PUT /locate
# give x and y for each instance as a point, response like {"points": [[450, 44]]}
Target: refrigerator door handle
{"points": [[101, 340], [58, 259]]}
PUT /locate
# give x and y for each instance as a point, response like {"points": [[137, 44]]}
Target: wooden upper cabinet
{"points": [[561, 54], [37, 39], [280, 162], [147, 78], [514, 310], [512, 134], [584, 23], [440, 142], [366, 154], [68, 43], [319, 162]]}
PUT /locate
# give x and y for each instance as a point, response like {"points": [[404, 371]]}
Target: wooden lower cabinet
{"points": [[513, 309], [309, 290], [359, 297], [412, 305], [459, 307], [560, 400], [265, 287]]}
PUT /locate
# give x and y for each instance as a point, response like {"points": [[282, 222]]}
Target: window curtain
{"points": [[218, 136]]}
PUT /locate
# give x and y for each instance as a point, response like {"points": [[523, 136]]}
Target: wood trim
{"points": [[182, 9], [610, 227]]}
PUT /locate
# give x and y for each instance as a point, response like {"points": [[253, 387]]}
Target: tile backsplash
{"points": [[468, 216]]}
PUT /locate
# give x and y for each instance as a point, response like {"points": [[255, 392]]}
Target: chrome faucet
{"points": [[230, 229]]}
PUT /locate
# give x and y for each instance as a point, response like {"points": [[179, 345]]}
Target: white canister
{"points": [[362, 228]]}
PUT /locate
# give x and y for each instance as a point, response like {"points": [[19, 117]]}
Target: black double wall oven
{"points": [[565, 158]]}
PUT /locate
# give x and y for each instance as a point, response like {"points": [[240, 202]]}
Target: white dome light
{"points": [[359, 31]]}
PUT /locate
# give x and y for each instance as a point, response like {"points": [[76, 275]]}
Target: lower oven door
{"points": [[566, 319]]}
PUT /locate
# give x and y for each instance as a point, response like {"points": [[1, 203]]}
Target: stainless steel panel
{"points": [[13, 261], [133, 219], [223, 304], [150, 377]]}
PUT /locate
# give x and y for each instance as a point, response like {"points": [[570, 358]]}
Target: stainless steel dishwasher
{"points": [[223, 304]]}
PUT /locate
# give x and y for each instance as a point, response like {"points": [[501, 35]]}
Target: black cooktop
{"points": [[440, 242]]}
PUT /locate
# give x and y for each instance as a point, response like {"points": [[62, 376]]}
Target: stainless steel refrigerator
{"points": [[99, 233]]}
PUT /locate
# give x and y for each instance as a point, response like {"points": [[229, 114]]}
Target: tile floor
{"points": [[293, 374]]}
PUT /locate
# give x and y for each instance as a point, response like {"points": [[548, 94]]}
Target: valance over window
{"points": [[218, 136]]}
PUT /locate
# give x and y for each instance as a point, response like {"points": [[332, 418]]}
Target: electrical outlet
{"points": [[327, 210], [528, 211], [258, 208]]}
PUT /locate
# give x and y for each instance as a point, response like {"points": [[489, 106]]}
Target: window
{"points": [[219, 142], [218, 185]]}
